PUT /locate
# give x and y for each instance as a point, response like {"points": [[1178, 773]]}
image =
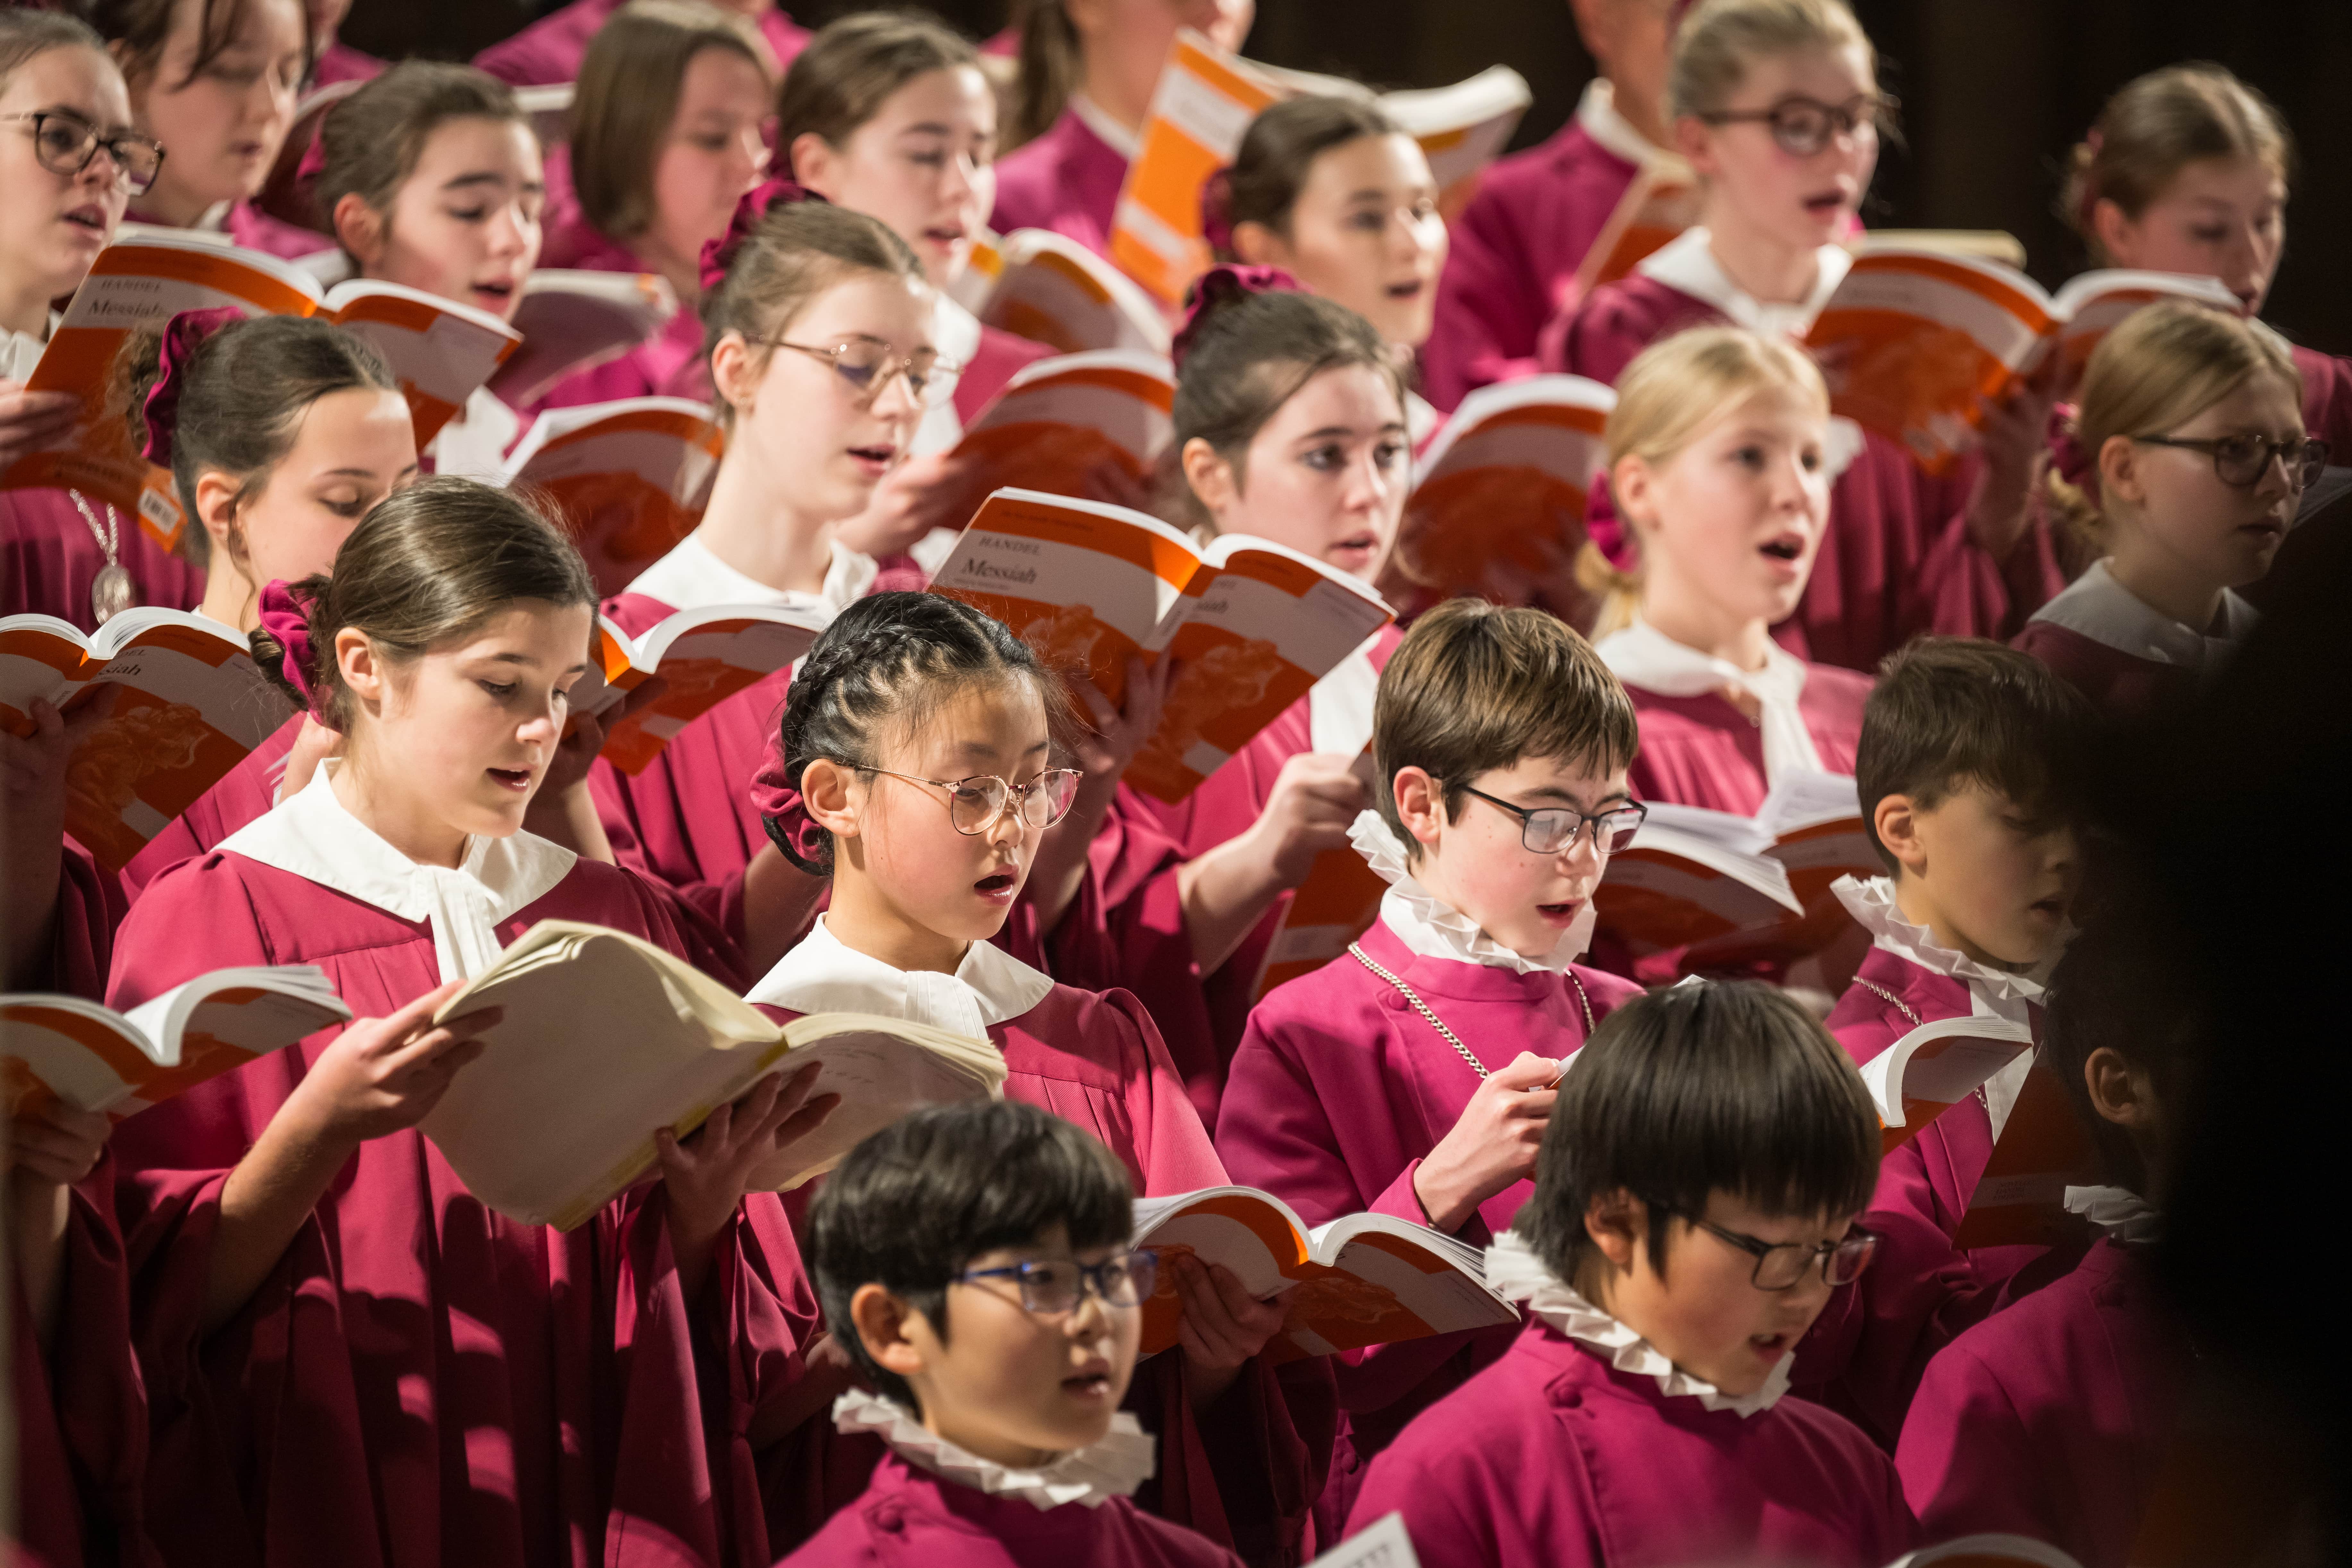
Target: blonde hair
{"points": [[2164, 365], [2158, 124], [630, 83], [1720, 40], [1673, 392]]}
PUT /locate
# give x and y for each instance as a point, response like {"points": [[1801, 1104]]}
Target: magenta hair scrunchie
{"points": [[776, 796], [718, 255], [1220, 285], [183, 336], [287, 619]]}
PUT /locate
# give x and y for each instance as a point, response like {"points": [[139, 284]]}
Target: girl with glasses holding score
{"points": [[914, 768]]}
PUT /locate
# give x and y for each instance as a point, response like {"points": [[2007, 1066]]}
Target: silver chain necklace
{"points": [[110, 593], [1357, 950], [1904, 1008]]}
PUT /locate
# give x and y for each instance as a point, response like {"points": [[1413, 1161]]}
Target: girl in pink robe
{"points": [[2159, 611], [653, 208], [403, 1372], [1639, 1418], [54, 543], [1344, 1097], [552, 50], [1904, 554], [1195, 889], [923, 875]]}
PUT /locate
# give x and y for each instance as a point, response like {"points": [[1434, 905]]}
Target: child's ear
{"points": [[359, 228], [734, 372], [2119, 1093], [1618, 1223], [1259, 246], [1896, 820], [825, 789], [2119, 475], [217, 496], [1420, 805], [2114, 227], [1633, 486], [1694, 143], [1211, 477], [881, 1319], [813, 161], [360, 666]]}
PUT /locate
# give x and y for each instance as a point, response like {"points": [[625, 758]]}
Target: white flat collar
{"points": [[1597, 117], [690, 578], [820, 974], [2097, 607], [20, 352], [1687, 263], [1090, 1476], [2123, 1215], [1435, 929], [1107, 131], [1642, 656], [1871, 902], [1516, 1274], [312, 836]]}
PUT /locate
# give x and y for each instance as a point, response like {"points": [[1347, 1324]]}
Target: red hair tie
{"points": [[2073, 464], [1219, 285], [1217, 212], [1607, 530], [776, 796], [183, 336], [718, 255], [287, 619]]}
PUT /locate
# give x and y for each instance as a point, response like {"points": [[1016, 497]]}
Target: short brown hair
{"points": [[1951, 712], [2156, 125], [841, 81], [371, 142], [630, 82], [1474, 685]]}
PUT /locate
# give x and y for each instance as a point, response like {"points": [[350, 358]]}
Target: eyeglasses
{"points": [[65, 144], [1552, 831], [1783, 1265], [1802, 126], [975, 803], [2241, 461], [868, 363], [1059, 1284]]}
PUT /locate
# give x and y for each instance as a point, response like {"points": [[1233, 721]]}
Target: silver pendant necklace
{"points": [[110, 592]]}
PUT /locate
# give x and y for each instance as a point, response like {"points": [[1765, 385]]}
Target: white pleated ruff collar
{"points": [[1433, 928], [313, 836], [1089, 1477], [821, 974], [1516, 1274], [2122, 1216], [1871, 902]]}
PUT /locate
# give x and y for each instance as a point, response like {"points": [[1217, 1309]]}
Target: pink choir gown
{"points": [[2327, 400], [2127, 656], [1867, 1351], [2052, 1420], [1340, 1088], [1517, 244], [421, 1380], [908, 1516], [549, 50], [1245, 1472], [51, 556], [1898, 559], [1144, 844], [1067, 180], [1551, 1458]]}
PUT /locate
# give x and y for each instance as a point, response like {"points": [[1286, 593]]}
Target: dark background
{"points": [[1994, 92]]}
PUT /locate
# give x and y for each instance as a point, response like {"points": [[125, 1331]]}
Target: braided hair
{"points": [[894, 658]]}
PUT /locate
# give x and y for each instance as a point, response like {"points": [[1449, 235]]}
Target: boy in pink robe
{"points": [[923, 874], [974, 1260], [549, 50], [1694, 1207], [1345, 1095], [1970, 754], [2058, 1419]]}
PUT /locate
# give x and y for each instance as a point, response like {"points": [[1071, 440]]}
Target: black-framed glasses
{"points": [[1783, 1265], [2241, 461], [1058, 1284], [1552, 829], [975, 803], [1802, 126], [868, 363], [64, 143]]}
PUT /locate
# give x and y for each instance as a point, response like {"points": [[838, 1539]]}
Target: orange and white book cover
{"points": [[630, 477], [1204, 101], [2093, 303], [2041, 1150], [1363, 1280], [1336, 903], [982, 268], [703, 657], [1090, 585], [1497, 503], [186, 704], [573, 319], [1059, 423], [438, 349], [1661, 203], [92, 1057], [1937, 1066], [1056, 291]]}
